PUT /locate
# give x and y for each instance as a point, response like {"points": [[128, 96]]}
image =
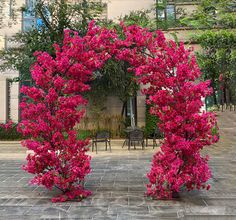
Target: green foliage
{"points": [[228, 20], [212, 14], [141, 18], [217, 39], [84, 134], [213, 108], [10, 134], [218, 57], [57, 16], [217, 18], [151, 122], [215, 131], [113, 79]]}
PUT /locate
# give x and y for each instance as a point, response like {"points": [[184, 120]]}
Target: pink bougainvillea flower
{"points": [[55, 105]]}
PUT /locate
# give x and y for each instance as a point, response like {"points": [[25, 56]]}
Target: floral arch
{"points": [[53, 107]]}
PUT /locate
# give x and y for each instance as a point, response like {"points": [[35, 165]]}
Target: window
{"points": [[29, 20], [30, 5], [28, 24], [166, 12], [170, 12], [10, 8]]}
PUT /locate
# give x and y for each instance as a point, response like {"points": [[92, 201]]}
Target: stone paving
{"points": [[118, 183]]}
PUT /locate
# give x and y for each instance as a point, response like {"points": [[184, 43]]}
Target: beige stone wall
{"points": [[9, 26], [2, 42], [114, 105], [11, 99], [14, 102], [141, 109], [184, 36], [117, 8]]}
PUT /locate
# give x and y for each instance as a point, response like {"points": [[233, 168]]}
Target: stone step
{"points": [[11, 147]]}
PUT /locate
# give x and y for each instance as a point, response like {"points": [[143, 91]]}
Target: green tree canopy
{"points": [[55, 17], [212, 14], [216, 22]]}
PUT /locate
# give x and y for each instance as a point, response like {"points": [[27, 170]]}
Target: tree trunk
{"points": [[227, 96], [214, 97]]}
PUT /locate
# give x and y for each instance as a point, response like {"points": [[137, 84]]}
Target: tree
{"points": [[54, 17], [218, 18], [218, 61], [52, 108], [59, 15], [171, 72], [212, 14], [114, 78]]}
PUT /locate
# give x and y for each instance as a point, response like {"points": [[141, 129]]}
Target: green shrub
{"points": [[213, 108], [151, 122], [10, 134], [215, 131], [84, 134]]}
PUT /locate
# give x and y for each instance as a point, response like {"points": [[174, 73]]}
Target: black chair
{"points": [[127, 131], [154, 136], [101, 136], [157, 134], [135, 136]]}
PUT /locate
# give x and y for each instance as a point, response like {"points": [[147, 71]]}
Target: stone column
{"points": [[141, 109], [14, 101], [3, 99]]}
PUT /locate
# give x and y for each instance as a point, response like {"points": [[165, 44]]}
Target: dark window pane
{"points": [[170, 12], [28, 24], [30, 4], [161, 14]]}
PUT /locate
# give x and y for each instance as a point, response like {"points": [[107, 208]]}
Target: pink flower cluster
{"points": [[7, 126], [53, 108], [171, 74]]}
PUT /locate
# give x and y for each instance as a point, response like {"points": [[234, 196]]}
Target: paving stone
{"points": [[87, 212], [118, 183]]}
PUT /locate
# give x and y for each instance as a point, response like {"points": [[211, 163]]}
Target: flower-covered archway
{"points": [[53, 107]]}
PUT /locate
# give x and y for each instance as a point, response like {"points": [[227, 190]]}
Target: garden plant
{"points": [[55, 104]]}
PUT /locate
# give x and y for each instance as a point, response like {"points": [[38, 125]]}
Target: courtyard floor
{"points": [[118, 183]]}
